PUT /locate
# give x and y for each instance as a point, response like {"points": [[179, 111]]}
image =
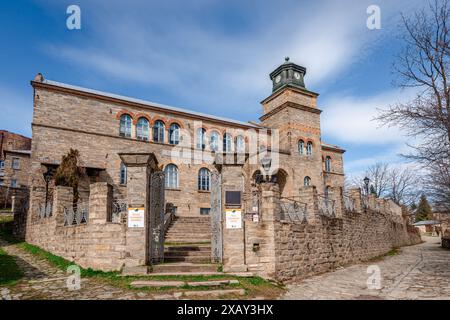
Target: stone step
{"points": [[185, 240], [197, 237], [188, 247], [161, 283], [214, 293], [191, 259], [191, 253], [184, 267]]}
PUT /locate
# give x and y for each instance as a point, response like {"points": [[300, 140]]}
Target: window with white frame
{"points": [[158, 131], [227, 142], [125, 126], [328, 164], [142, 129], [174, 133], [309, 148], [240, 144], [214, 141], [301, 147], [171, 176], [123, 174], [201, 138], [204, 176], [15, 164], [307, 181]]}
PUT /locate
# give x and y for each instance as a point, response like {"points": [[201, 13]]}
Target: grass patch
{"points": [[10, 272], [390, 253], [6, 218]]}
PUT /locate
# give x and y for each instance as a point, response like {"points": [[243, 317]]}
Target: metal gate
{"points": [[216, 217], [156, 217]]}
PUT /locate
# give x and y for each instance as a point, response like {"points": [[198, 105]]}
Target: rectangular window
{"points": [[15, 163], [2, 164], [13, 183], [204, 211]]}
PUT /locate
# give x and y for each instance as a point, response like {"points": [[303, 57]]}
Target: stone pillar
{"points": [[136, 238], [233, 239], [355, 194], [308, 195], [100, 198], [62, 198]]}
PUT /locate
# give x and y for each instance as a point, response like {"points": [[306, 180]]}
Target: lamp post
{"points": [[48, 175], [366, 185]]}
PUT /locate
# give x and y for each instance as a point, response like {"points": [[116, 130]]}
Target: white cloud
{"points": [[350, 119]]}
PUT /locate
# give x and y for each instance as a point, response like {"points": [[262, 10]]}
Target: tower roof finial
{"points": [[286, 59]]}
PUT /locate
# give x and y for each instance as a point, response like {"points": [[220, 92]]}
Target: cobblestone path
{"points": [[417, 272], [44, 281]]}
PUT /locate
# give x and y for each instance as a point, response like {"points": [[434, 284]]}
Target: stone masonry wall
{"points": [[304, 248], [98, 244]]}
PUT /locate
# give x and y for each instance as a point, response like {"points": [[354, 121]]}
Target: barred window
{"points": [[174, 133], [301, 147], [142, 129], [309, 148], [205, 211], [227, 142], [307, 181], [240, 144], [204, 176], [328, 164], [15, 163], [125, 126], [214, 141], [13, 183], [123, 174], [158, 131], [171, 173]]}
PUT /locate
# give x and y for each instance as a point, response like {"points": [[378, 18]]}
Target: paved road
{"points": [[417, 272]]}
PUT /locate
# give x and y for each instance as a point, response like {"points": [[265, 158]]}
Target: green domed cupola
{"points": [[288, 74]]}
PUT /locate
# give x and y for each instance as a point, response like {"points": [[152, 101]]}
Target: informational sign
{"points": [[233, 218], [255, 218], [135, 217]]}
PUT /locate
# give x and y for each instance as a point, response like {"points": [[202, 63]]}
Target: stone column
{"points": [[62, 198], [355, 194], [233, 239], [100, 198]]}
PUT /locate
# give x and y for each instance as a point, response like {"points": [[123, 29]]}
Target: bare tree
{"points": [[425, 63], [404, 187], [378, 175]]}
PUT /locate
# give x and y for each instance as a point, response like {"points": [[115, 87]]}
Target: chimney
{"points": [[39, 77]]}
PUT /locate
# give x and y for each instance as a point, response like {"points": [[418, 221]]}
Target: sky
{"points": [[215, 56]]}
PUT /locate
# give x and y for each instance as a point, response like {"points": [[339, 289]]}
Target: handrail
{"points": [[168, 217]]}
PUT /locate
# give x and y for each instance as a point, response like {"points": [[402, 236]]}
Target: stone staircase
{"points": [[187, 246]]}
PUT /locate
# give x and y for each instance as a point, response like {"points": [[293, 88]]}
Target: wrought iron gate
{"points": [[216, 217], [156, 217]]}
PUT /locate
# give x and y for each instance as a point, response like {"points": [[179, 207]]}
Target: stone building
{"points": [[155, 174], [14, 164]]}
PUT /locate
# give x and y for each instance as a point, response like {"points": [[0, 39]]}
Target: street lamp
{"points": [[366, 185], [48, 175]]}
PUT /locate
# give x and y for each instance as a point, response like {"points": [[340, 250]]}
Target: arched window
{"points": [[201, 138], [307, 181], [240, 144], [125, 126], [123, 174], [203, 179], [158, 131], [174, 133], [227, 142], [171, 175], [214, 141], [309, 148], [328, 164], [301, 147], [142, 129]]}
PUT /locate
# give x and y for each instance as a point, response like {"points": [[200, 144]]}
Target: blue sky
{"points": [[215, 57]]}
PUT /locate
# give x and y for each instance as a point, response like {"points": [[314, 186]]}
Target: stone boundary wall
{"points": [[98, 244], [306, 248]]}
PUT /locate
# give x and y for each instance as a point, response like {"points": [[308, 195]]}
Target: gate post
{"points": [[139, 167]]}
